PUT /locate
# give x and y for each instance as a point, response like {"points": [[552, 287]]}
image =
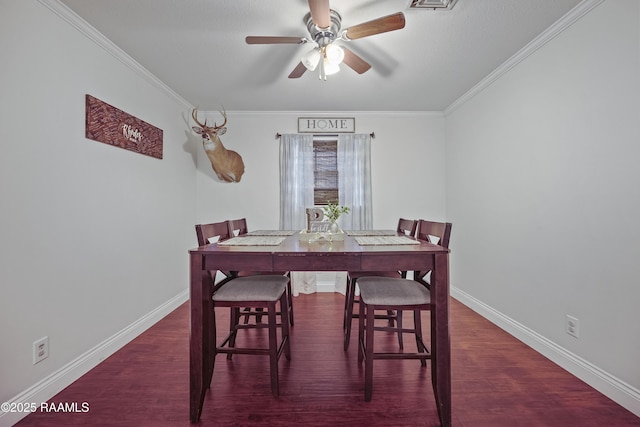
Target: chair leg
{"points": [[285, 327], [348, 314], [417, 326], [246, 316], [213, 340], [361, 341], [273, 348], [259, 311], [346, 302], [234, 320], [290, 303], [399, 326], [258, 315], [368, 357], [392, 316]]}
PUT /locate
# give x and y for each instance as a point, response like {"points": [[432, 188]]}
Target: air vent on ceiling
{"points": [[432, 4]]}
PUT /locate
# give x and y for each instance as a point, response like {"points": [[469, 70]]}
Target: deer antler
{"points": [[194, 115], [224, 114]]}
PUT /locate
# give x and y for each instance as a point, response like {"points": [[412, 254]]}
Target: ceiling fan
{"points": [[323, 24]]}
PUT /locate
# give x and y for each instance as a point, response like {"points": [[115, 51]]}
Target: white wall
{"points": [[94, 237], [543, 191], [407, 166]]}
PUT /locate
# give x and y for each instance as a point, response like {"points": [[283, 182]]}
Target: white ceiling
{"points": [[197, 48]]}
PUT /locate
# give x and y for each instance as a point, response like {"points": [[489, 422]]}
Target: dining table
{"points": [[285, 250]]}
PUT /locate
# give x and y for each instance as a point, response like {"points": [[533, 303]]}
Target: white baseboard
{"points": [[57, 381], [328, 281], [615, 389]]}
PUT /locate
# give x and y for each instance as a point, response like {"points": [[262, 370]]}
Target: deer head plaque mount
{"points": [[227, 164]]}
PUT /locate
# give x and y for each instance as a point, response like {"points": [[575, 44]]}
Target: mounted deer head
{"points": [[227, 164]]}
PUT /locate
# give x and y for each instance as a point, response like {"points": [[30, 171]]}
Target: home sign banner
{"points": [[105, 123], [326, 125]]}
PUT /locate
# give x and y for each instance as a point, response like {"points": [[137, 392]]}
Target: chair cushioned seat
{"points": [[376, 290], [254, 288]]}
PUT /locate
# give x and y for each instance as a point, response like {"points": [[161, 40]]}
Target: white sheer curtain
{"points": [[296, 194], [354, 180], [296, 180]]}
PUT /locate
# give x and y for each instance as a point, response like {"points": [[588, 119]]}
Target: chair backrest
{"points": [[237, 227], [205, 232], [430, 230], [407, 226]]}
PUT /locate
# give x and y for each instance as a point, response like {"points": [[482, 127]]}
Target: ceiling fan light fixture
{"points": [[334, 54], [311, 59], [330, 68]]}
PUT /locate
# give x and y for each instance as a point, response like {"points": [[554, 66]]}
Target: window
{"points": [[325, 170]]}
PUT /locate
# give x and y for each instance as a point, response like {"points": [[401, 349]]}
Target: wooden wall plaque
{"points": [[105, 123]]}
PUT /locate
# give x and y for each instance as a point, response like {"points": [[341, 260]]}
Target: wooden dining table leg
{"points": [[202, 334], [440, 340]]}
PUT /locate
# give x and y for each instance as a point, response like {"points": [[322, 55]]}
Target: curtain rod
{"points": [[372, 135]]}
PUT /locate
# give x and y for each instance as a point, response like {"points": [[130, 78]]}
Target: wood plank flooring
{"points": [[496, 381]]}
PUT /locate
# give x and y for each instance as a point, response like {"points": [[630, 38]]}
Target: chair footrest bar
{"points": [[256, 326], [417, 356], [394, 329], [242, 350]]}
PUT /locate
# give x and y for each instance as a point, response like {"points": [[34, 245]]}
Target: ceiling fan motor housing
{"points": [[324, 36]]}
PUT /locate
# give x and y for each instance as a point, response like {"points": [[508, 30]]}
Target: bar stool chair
{"points": [[399, 294], [261, 291], [218, 232], [238, 227], [438, 233], [406, 227]]}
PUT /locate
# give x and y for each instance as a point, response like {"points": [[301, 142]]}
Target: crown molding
{"points": [[545, 37], [103, 42], [281, 113]]}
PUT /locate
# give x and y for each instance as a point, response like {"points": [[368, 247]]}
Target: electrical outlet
{"points": [[573, 326], [40, 350]]}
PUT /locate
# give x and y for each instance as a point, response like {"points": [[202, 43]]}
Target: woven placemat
{"points": [[371, 232], [271, 233], [253, 241], [385, 240]]}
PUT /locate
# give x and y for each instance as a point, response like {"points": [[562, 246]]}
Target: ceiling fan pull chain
{"points": [[322, 75]]}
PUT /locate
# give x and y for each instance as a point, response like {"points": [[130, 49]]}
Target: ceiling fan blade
{"points": [[381, 25], [320, 13], [298, 71], [358, 64], [274, 40]]}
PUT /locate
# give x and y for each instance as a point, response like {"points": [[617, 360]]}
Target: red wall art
{"points": [[105, 123]]}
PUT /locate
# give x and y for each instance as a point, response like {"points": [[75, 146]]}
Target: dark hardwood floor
{"points": [[497, 381]]}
